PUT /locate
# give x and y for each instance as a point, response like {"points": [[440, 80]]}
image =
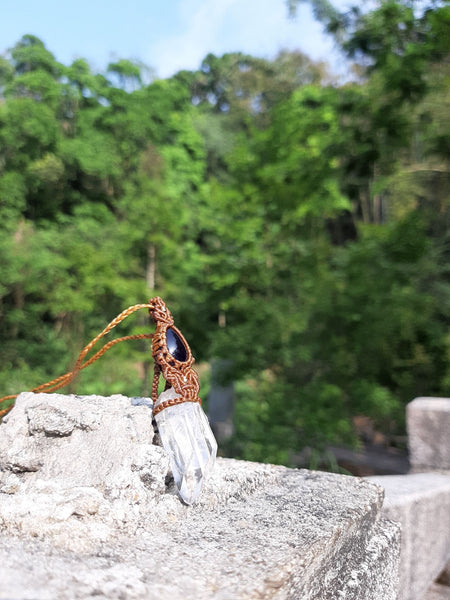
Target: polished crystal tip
{"points": [[188, 440]]}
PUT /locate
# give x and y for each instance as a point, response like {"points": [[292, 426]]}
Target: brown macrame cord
{"points": [[178, 374], [62, 380]]}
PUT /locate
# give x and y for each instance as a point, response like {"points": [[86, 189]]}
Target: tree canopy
{"points": [[296, 225]]}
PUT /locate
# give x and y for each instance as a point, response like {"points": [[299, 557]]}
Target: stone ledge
{"points": [[428, 421], [85, 509], [421, 504]]}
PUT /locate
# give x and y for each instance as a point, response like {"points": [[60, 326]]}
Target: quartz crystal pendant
{"points": [[188, 440]]}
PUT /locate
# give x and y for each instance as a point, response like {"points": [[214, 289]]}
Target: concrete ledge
{"points": [[421, 504], [428, 422], [87, 508]]}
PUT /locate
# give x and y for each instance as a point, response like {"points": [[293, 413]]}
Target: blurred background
{"points": [[279, 173]]}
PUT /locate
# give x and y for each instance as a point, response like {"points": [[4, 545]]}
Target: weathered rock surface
{"points": [[420, 502], [87, 509], [428, 421]]}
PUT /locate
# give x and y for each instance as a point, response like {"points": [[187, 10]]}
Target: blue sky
{"points": [[167, 35]]}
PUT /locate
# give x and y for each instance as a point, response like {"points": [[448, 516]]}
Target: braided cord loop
{"points": [[177, 372], [63, 380], [173, 402]]}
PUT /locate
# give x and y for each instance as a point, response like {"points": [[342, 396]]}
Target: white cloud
{"points": [[258, 27], [202, 22]]}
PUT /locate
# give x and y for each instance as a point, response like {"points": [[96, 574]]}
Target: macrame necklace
{"points": [[183, 427]]}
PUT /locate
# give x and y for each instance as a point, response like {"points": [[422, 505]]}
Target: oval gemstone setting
{"points": [[175, 345]]}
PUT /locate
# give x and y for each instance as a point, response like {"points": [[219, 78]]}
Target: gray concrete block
{"points": [[428, 422], [421, 504], [86, 510]]}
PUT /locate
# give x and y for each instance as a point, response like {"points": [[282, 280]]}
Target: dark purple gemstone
{"points": [[175, 346]]}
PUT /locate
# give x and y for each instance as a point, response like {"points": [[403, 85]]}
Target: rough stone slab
{"points": [[306, 535], [87, 509], [420, 502], [428, 422]]}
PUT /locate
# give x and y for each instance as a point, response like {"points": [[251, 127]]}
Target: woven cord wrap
{"points": [[176, 370], [62, 380], [173, 402]]}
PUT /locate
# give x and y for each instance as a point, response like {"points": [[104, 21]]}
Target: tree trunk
{"points": [[151, 267], [150, 277]]}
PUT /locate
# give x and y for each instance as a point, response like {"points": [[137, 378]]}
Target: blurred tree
{"points": [[239, 84], [334, 154], [294, 224], [128, 74]]}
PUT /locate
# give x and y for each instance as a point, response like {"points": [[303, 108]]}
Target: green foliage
{"points": [[12, 198], [296, 227], [30, 54]]}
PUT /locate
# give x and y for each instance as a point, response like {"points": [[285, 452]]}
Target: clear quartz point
{"points": [[188, 440]]}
